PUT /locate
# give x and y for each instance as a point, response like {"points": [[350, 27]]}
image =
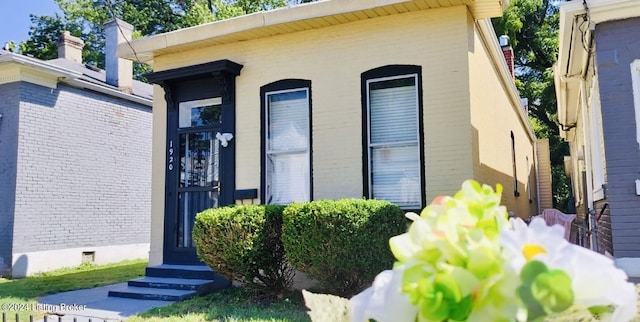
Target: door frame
{"points": [[214, 79]]}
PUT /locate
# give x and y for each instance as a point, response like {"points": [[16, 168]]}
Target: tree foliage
{"points": [[532, 26], [44, 34], [85, 19]]}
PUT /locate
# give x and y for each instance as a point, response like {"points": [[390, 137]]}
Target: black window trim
{"points": [[381, 73], [515, 167], [284, 85]]}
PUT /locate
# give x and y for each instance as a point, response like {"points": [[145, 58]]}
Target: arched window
{"points": [[286, 141], [392, 138]]}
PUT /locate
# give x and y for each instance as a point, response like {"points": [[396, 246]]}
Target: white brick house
{"points": [[75, 155]]}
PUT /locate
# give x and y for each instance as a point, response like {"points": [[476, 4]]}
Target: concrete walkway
{"points": [[94, 304]]}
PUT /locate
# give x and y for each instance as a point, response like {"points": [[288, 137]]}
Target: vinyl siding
{"points": [[617, 47]]}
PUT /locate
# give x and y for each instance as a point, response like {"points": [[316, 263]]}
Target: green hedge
{"points": [[243, 243], [344, 243]]}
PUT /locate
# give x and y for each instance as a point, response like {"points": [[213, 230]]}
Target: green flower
{"points": [[452, 261]]}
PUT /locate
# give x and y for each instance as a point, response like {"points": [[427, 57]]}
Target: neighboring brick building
{"points": [[75, 161]]}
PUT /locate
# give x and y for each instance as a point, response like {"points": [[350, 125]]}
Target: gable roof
{"points": [[307, 16], [577, 22], [77, 75]]}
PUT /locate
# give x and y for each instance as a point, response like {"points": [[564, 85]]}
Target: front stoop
{"points": [[173, 283]]}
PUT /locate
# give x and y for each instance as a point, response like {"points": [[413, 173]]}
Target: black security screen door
{"points": [[199, 181], [200, 149], [198, 172]]}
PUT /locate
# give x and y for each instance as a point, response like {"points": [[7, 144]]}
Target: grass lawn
{"points": [[26, 291], [229, 305]]}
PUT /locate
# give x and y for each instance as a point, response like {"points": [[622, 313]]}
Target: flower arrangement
{"points": [[462, 259]]}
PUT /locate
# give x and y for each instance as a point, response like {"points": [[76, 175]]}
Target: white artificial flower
{"points": [[536, 241], [595, 279], [383, 301]]}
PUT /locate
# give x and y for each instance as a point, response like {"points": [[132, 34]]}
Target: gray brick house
{"points": [[598, 86], [75, 155]]}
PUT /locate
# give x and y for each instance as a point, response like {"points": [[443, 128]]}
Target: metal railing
{"points": [[53, 318], [580, 233]]}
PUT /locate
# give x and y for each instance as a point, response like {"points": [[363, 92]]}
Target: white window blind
{"points": [[288, 175], [394, 151]]}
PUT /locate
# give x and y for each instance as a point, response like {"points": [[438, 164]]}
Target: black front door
{"points": [[198, 148]]}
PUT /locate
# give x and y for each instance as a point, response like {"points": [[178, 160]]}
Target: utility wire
{"points": [[114, 16]]}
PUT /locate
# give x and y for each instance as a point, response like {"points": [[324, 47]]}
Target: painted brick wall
{"points": [[617, 46], [494, 116], [8, 146], [333, 58], [545, 196], [603, 233], [84, 170]]}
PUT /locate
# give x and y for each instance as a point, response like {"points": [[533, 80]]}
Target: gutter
{"points": [[72, 78], [75, 82], [269, 23], [39, 64]]}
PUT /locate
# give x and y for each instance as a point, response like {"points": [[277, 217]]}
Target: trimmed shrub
{"points": [[243, 243], [344, 243]]}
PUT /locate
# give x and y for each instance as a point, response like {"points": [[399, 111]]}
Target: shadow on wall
{"points": [[521, 205], [20, 267], [39, 96], [9, 94]]}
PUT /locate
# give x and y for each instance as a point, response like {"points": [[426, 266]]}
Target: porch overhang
{"points": [[288, 20], [577, 22]]}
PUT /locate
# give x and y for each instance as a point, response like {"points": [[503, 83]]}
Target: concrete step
{"points": [[148, 293], [182, 271], [172, 283], [188, 284]]}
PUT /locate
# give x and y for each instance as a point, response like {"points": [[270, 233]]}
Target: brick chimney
{"points": [[119, 71], [70, 47], [507, 51]]}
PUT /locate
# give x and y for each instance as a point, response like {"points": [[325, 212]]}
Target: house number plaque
{"points": [[170, 158]]}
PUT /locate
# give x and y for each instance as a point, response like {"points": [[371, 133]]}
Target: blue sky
{"points": [[14, 17]]}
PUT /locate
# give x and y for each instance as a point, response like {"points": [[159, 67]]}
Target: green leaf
{"points": [[534, 309], [553, 291], [447, 284], [531, 270], [601, 309], [462, 309], [434, 308]]}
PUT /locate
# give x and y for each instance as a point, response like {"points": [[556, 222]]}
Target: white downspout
{"points": [[588, 202]]}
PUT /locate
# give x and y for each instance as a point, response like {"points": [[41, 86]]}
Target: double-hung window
{"points": [[393, 136], [286, 142]]}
